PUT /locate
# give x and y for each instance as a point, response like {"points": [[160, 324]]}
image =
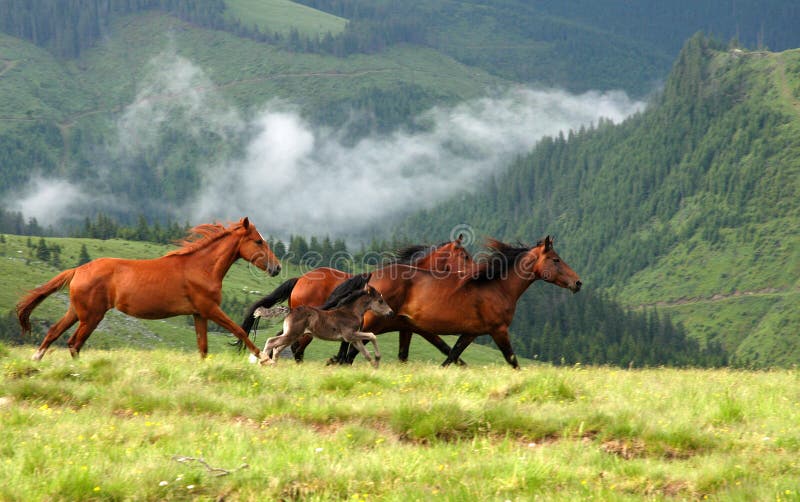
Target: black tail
{"points": [[280, 294], [343, 291]]}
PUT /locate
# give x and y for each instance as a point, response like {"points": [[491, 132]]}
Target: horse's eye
{"points": [[556, 260], [259, 242]]}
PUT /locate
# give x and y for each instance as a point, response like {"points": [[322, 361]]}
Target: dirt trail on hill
{"points": [[715, 298]]}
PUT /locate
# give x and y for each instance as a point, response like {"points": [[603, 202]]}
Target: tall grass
{"points": [[130, 425]]}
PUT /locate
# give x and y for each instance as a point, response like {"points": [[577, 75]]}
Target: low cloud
{"points": [[292, 177], [295, 178], [47, 200]]}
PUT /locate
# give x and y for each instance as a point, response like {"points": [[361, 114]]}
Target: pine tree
{"points": [[83, 257]]}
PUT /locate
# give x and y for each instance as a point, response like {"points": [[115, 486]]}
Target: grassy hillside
{"points": [[692, 206], [127, 424], [283, 16]]}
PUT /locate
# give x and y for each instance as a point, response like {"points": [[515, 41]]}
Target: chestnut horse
{"points": [[341, 323], [314, 287], [185, 281], [480, 302]]}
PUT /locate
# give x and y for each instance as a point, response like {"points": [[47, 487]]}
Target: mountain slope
{"points": [[63, 116], [693, 205]]}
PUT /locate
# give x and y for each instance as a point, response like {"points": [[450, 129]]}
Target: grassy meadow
{"points": [[128, 424], [283, 16]]}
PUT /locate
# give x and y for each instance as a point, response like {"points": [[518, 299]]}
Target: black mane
{"points": [[347, 292], [409, 255], [502, 258]]}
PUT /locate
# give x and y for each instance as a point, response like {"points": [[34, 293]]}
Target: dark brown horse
{"points": [[341, 323], [314, 287], [480, 302], [185, 281]]}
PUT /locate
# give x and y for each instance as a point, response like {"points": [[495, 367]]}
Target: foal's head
{"points": [[376, 303]]}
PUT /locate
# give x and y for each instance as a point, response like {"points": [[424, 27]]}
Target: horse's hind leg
{"points": [[276, 344], [55, 331], [272, 349], [403, 344], [461, 344], [343, 356], [85, 328], [201, 331], [440, 344], [299, 347]]}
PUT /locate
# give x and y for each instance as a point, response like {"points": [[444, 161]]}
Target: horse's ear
{"points": [[548, 243], [246, 222], [459, 238]]}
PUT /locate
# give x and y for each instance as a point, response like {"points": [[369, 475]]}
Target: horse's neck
{"points": [[219, 256], [436, 261], [514, 285]]}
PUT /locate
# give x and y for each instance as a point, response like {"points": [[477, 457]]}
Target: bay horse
{"points": [[341, 323], [187, 281], [482, 301], [314, 287]]}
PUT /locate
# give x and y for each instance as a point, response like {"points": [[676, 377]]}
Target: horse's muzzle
{"points": [[576, 287], [273, 271]]}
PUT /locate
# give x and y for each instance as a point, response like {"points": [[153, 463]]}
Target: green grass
{"points": [[128, 424], [283, 15]]}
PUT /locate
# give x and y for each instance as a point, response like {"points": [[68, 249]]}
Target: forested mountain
{"points": [[578, 45], [693, 205]]}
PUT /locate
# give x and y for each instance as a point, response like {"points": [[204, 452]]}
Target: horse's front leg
{"points": [[216, 314], [201, 330], [503, 342], [357, 340], [374, 339]]}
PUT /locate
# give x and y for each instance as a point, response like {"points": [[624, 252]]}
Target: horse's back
{"points": [[314, 287], [148, 289]]}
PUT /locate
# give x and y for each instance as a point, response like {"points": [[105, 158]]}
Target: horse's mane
{"points": [[201, 236], [409, 255], [502, 257], [347, 292]]}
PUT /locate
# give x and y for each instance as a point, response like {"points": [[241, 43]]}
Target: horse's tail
{"points": [[345, 290], [281, 293], [37, 296]]}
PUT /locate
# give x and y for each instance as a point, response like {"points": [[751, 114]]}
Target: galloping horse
{"points": [[338, 324], [480, 302], [185, 281], [314, 287]]}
